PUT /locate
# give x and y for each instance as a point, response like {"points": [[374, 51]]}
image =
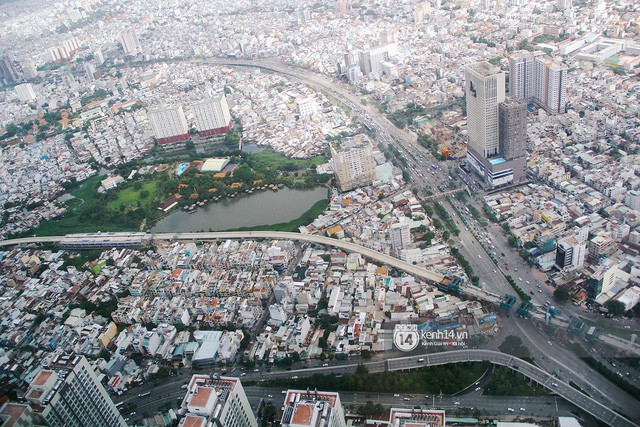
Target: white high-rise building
{"points": [[551, 84], [169, 124], [307, 106], [29, 70], [533, 76], [25, 92], [485, 87], [212, 117], [521, 74], [370, 61], [213, 400], [312, 409], [90, 71], [400, 234], [99, 57], [71, 395], [564, 4], [130, 42], [496, 127], [353, 163]]}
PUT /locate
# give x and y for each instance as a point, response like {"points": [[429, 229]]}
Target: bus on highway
{"points": [[119, 404], [144, 394]]}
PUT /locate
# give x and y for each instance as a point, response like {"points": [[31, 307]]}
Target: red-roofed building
{"points": [[19, 415], [220, 400], [312, 409]]}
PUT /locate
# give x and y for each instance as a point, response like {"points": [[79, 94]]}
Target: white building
{"points": [[212, 116], [550, 84], [571, 253], [99, 57], [370, 61], [130, 42], [312, 409], [632, 199], [307, 106], [408, 417], [112, 181], [72, 396], [25, 92], [213, 400], [533, 76], [169, 124], [521, 74], [400, 234], [485, 87], [353, 163], [629, 297]]}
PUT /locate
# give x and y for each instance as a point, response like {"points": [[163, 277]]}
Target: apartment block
{"points": [[169, 124], [312, 409], [215, 400], [71, 395], [212, 116], [353, 163]]}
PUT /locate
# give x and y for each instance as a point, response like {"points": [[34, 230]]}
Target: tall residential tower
{"points": [[534, 77], [212, 116], [72, 396], [216, 401], [353, 163], [169, 124], [130, 42]]}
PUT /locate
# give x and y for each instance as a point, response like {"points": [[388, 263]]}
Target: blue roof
{"points": [[497, 161]]}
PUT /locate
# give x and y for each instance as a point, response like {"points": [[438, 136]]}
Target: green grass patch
{"points": [[89, 214], [98, 267], [131, 195], [278, 161]]}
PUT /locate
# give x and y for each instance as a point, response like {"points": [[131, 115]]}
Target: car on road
{"points": [[522, 409], [295, 377], [456, 403], [510, 409], [325, 365], [244, 374], [479, 257], [406, 399], [269, 396], [256, 370], [477, 388], [539, 291], [554, 384], [396, 395]]}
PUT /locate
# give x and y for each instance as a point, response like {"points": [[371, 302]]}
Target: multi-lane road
{"points": [[168, 391], [406, 140]]}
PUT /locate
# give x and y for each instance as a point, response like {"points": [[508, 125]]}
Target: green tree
{"points": [[268, 414], [615, 308], [231, 139], [561, 294]]}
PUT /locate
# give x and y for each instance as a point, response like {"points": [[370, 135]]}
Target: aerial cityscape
{"points": [[393, 213]]}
